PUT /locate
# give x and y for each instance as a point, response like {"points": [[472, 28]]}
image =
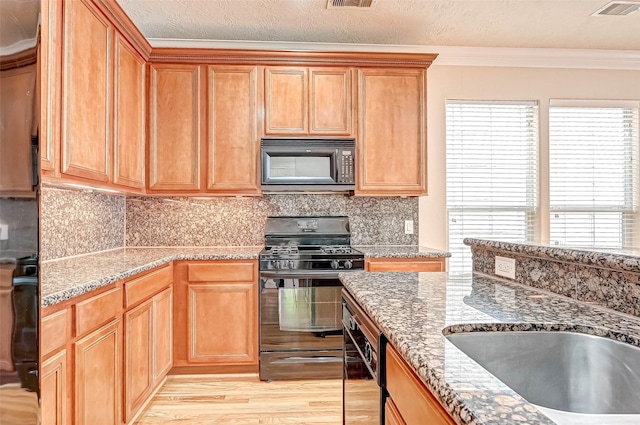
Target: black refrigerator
{"points": [[19, 212]]}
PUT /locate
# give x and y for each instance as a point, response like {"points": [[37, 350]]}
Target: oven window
{"points": [[314, 309], [299, 167]]}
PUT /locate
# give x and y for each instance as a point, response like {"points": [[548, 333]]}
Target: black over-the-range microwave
{"points": [[308, 164]]}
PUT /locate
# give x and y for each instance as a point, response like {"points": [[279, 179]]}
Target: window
{"points": [[593, 174], [491, 174]]}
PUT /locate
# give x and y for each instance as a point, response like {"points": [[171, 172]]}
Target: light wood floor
{"points": [[18, 407], [244, 400]]}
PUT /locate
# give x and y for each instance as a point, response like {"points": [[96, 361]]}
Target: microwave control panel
{"points": [[346, 174]]}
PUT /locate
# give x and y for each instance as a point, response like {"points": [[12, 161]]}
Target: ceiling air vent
{"points": [[351, 4], [618, 8]]}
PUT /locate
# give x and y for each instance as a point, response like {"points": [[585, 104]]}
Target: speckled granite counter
{"points": [[414, 309], [616, 259], [68, 278], [400, 251]]}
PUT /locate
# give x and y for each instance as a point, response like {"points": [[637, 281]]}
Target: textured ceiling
{"points": [[478, 23]]}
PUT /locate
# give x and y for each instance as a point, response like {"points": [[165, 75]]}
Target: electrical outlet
{"points": [[506, 267], [4, 232], [408, 227]]}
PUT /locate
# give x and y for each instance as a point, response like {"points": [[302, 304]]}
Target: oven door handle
{"points": [[294, 274]]}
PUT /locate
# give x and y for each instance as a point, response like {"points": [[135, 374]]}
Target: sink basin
{"points": [[562, 371]]}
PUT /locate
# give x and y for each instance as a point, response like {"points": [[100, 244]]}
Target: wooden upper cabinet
{"points": [[174, 128], [49, 62], [129, 115], [392, 150], [330, 101], [287, 99], [233, 144], [308, 101], [87, 92]]}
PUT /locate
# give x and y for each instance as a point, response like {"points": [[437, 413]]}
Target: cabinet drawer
{"points": [[400, 265], [98, 310], [414, 401], [139, 289], [222, 272], [55, 331]]}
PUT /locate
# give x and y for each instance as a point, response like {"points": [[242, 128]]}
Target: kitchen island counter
{"points": [[68, 278], [415, 310]]}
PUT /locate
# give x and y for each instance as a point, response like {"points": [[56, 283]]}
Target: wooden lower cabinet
{"points": [[222, 317], [138, 367], [391, 414], [162, 334], [98, 376], [411, 402], [148, 350], [216, 316], [54, 387], [406, 264]]}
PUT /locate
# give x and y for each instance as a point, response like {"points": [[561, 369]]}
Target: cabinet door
{"points": [[391, 414], [86, 135], [53, 390], [287, 98], [392, 132], [174, 127], [233, 134], [98, 376], [128, 115], [17, 90], [138, 331], [222, 323], [405, 265], [330, 101], [50, 56], [162, 334]]}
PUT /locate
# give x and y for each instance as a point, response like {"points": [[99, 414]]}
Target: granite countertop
{"points": [[618, 259], [68, 278], [400, 251], [414, 310]]}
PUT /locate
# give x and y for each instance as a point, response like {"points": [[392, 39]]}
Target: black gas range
{"points": [[300, 296]]}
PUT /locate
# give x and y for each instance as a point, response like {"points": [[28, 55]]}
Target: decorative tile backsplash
{"points": [[615, 289], [80, 222], [240, 221]]}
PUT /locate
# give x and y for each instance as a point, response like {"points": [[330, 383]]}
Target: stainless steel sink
{"points": [[562, 371]]}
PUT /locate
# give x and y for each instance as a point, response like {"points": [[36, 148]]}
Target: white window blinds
{"points": [[593, 175], [491, 173]]}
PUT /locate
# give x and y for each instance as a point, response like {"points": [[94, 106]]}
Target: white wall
{"points": [[501, 83]]}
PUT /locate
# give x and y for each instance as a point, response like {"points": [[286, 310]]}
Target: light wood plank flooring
{"points": [[244, 400]]}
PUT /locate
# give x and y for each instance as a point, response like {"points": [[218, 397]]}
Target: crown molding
{"points": [[447, 55]]}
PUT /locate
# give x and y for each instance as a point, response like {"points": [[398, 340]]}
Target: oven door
{"points": [[361, 394], [300, 327]]}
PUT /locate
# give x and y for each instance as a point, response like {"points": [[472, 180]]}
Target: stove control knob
{"points": [[348, 264], [284, 264], [276, 264], [335, 264], [291, 264]]}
